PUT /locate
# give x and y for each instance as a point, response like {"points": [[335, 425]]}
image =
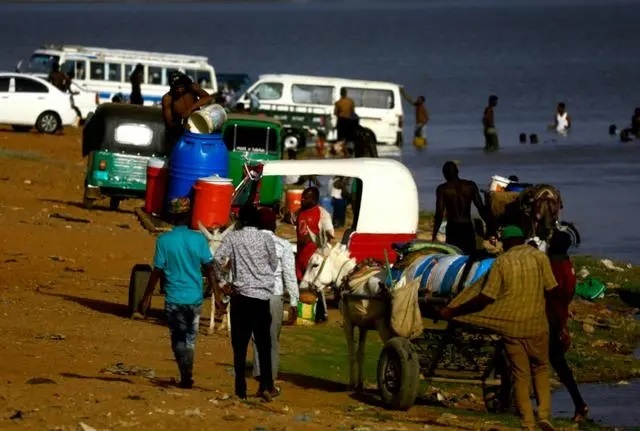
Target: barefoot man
{"points": [[455, 197], [183, 99]]}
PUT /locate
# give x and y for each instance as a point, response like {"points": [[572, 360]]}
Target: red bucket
{"points": [[157, 174], [212, 202]]}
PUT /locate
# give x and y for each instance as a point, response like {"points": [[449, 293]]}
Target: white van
{"points": [[106, 71], [304, 99]]}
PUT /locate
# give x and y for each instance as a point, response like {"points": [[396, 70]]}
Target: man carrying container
{"points": [[511, 302]]}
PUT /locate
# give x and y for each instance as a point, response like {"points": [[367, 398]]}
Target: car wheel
{"points": [[21, 129], [48, 122]]}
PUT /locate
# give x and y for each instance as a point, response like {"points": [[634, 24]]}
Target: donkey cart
{"points": [[451, 353]]}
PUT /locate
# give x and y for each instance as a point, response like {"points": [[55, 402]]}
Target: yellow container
{"points": [[420, 142], [307, 311]]}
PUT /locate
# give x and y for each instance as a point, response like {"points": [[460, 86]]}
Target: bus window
{"points": [[128, 68], [40, 63], [96, 71], [75, 68], [155, 75], [115, 72], [200, 77]]}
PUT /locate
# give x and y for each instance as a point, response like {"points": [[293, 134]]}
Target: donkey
{"points": [[365, 310], [214, 240], [364, 298]]}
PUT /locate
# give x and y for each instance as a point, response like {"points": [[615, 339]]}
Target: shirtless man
{"points": [[183, 99], [455, 197]]}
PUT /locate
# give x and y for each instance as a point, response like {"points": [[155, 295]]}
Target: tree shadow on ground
{"points": [[105, 307], [101, 378]]}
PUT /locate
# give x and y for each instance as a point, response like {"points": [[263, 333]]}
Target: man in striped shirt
{"points": [[253, 258], [285, 278]]}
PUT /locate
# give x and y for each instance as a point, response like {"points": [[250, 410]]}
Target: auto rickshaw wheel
{"points": [[114, 203], [48, 122], [87, 202], [398, 374]]}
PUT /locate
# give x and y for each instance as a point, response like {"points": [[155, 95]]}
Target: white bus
{"points": [[106, 71]]}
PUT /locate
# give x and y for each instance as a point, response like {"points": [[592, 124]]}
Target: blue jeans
{"points": [[183, 321]]}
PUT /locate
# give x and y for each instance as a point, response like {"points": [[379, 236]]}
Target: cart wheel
{"points": [[500, 398], [398, 374], [137, 284], [114, 203]]}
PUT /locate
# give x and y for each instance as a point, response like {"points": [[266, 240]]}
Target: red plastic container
{"points": [[157, 175], [212, 202]]}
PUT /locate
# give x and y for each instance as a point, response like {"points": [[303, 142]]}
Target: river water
{"points": [[532, 53]]}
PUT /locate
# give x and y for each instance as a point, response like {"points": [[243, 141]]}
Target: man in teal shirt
{"points": [[179, 257]]}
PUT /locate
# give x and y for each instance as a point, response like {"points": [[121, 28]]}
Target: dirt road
{"points": [[64, 323]]}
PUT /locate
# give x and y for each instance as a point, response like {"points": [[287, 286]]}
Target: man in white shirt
{"points": [[285, 278]]}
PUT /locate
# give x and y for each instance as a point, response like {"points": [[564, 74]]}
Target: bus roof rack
{"points": [[127, 53]]}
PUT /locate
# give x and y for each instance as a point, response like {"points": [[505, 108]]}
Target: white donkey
{"points": [[214, 242], [361, 303]]}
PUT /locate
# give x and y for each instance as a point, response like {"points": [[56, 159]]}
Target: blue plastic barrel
{"points": [[516, 187], [325, 202], [195, 156]]}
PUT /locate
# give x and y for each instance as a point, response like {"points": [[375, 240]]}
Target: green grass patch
{"points": [[317, 356]]}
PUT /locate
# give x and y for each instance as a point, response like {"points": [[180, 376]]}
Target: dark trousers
{"points": [[251, 316], [462, 235], [559, 364], [339, 211], [183, 323]]}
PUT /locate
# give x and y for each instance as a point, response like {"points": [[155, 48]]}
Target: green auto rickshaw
{"points": [[253, 138], [119, 139]]}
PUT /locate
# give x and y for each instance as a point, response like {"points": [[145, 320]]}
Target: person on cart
{"points": [[511, 302], [183, 99]]}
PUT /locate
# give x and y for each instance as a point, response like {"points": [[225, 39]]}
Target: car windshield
{"points": [[39, 63]]}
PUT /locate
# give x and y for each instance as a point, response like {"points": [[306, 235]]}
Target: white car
{"points": [[27, 101], [84, 101]]}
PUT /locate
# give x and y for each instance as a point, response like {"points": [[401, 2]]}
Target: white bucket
{"points": [[157, 163], [200, 122], [208, 119], [498, 183]]}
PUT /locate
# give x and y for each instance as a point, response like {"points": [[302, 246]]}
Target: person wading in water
{"points": [[455, 197], [489, 125], [562, 122], [183, 99], [136, 78]]}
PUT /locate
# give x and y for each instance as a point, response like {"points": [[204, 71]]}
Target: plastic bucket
{"points": [[498, 183], [157, 175], [212, 202], [293, 200], [200, 122]]}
